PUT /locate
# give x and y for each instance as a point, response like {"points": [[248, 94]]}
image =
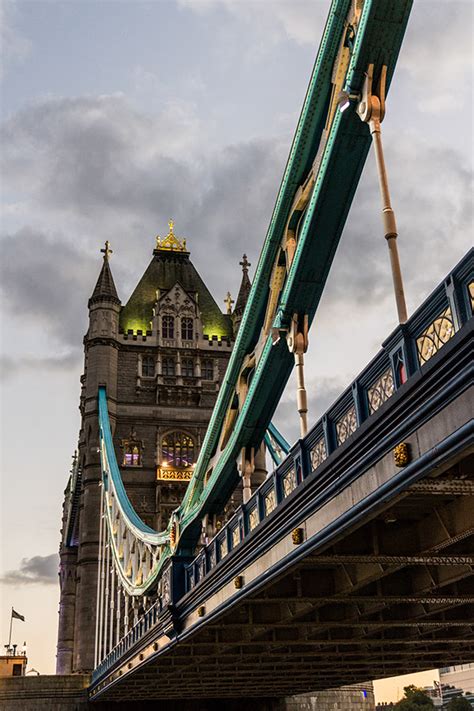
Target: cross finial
{"points": [[228, 301], [171, 226], [245, 264], [106, 251]]}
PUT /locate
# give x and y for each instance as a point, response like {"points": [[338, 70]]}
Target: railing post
{"points": [[172, 589], [359, 403], [454, 302]]}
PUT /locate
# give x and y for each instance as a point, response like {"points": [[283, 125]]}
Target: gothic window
{"points": [[187, 329], [148, 367], [167, 326], [187, 367], [177, 449], [207, 370], [168, 366], [132, 453]]}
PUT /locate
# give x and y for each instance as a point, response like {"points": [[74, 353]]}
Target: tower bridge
{"points": [[354, 559], [190, 572]]}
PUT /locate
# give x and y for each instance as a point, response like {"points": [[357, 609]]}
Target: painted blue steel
{"points": [[276, 458], [273, 435], [338, 175], [279, 439], [451, 446], [113, 471], [450, 379], [405, 335], [380, 32]]}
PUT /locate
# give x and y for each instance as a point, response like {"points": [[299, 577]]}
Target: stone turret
{"points": [[162, 358], [100, 368]]}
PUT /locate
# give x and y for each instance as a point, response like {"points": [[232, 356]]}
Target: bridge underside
{"points": [[393, 596]]}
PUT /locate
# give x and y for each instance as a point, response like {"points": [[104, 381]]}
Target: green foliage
{"points": [[459, 704], [415, 700]]}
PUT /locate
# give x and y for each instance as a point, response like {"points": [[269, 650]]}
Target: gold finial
{"points": [[245, 264], [228, 301], [170, 243], [107, 251]]}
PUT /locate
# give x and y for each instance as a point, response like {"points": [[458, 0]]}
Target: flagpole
{"points": [[10, 637]]}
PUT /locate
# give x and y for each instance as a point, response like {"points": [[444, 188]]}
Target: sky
{"points": [[116, 116]]}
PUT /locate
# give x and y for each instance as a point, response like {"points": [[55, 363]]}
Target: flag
{"points": [[17, 616]]}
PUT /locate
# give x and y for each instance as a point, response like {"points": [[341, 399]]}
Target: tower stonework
{"points": [[162, 357]]}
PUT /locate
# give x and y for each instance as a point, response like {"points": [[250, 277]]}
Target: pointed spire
{"points": [[105, 287], [245, 287]]}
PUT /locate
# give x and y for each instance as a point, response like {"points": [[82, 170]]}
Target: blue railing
{"points": [[407, 351]]}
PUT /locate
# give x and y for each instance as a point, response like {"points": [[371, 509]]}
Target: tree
{"points": [[459, 704], [415, 700]]}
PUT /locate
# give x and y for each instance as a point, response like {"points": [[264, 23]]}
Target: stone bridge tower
{"points": [[162, 357]]}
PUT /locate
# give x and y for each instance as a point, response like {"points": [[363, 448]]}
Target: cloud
{"points": [[91, 169], [15, 47], [10, 367], [439, 43], [43, 279], [39, 570], [298, 20]]}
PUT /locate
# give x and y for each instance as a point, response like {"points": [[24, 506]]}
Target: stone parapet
{"points": [[44, 693]]}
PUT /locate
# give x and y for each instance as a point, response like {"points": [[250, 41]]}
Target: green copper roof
{"points": [[165, 270]]}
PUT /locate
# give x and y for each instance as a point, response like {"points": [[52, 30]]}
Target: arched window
{"points": [[187, 329], [207, 370], [187, 367], [168, 366], [148, 366], [132, 456], [177, 449], [132, 449], [167, 326]]}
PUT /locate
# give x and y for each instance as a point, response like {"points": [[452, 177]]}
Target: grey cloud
{"points": [[439, 43], [42, 570], [15, 46], [102, 180], [299, 20], [43, 280], [10, 367], [97, 169]]}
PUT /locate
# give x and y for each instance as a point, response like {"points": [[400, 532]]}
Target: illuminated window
{"points": [[177, 449], [207, 370], [167, 326], [187, 329], [132, 456], [148, 367], [187, 367], [168, 366]]}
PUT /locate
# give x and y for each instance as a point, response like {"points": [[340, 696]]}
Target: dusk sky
{"points": [[117, 116]]}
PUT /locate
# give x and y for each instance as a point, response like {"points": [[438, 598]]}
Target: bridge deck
{"points": [[363, 570]]}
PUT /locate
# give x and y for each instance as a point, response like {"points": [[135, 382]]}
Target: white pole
{"points": [[99, 565], [112, 605], [119, 606], [102, 586], [107, 594]]}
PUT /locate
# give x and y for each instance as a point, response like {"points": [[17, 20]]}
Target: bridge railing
{"points": [[405, 352]]}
